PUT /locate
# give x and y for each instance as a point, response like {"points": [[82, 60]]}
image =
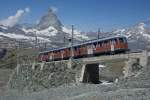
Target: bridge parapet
{"points": [[142, 56]]}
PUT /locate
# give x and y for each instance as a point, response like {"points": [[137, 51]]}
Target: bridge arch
{"points": [[90, 74]]}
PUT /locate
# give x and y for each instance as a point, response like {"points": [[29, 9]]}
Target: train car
{"points": [[111, 45]]}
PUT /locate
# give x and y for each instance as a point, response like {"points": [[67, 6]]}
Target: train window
{"points": [[111, 42], [75, 48], [79, 47], [114, 41], [45, 53], [121, 40], [62, 51], [124, 39], [102, 44], [95, 45], [105, 43], [99, 44]]}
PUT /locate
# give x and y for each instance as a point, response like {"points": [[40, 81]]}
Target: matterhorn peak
{"points": [[51, 10], [50, 19]]}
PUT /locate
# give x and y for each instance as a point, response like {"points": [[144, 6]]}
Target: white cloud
{"points": [[13, 20], [27, 10], [54, 9]]}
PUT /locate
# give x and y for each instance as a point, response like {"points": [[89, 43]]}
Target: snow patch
{"points": [[105, 82], [3, 27], [101, 66], [141, 26], [77, 34], [69, 31], [119, 31], [146, 35], [17, 36], [50, 31]]}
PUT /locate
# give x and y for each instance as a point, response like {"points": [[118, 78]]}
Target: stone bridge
{"points": [[90, 66]]}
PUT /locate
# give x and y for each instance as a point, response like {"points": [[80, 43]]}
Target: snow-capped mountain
{"points": [[50, 19], [49, 30], [136, 31], [138, 35]]}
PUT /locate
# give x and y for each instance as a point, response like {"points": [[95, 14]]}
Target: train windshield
{"points": [[123, 40]]}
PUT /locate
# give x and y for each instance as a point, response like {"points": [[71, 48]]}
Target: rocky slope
{"points": [[133, 88]]}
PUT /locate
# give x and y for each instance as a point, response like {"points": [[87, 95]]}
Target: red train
{"points": [[112, 45]]}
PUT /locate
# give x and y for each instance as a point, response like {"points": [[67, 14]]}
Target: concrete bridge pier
{"points": [[144, 58], [82, 73]]}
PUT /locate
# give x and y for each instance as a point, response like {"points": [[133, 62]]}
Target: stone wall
{"points": [[52, 75], [132, 67]]}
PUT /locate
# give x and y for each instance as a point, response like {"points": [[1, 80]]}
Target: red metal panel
{"points": [[83, 50], [67, 52], [75, 53]]}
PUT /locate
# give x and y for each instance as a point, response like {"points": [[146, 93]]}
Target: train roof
{"points": [[84, 43]]}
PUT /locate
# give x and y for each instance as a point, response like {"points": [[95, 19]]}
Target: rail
{"points": [[130, 54]]}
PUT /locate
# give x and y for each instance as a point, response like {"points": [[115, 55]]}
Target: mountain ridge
{"points": [[138, 35], [49, 30]]}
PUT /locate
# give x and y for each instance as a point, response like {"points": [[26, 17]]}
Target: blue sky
{"points": [[86, 15]]}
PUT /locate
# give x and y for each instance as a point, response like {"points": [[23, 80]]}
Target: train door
{"points": [[62, 54], [114, 44], [51, 56], [76, 52], [112, 47], [90, 49]]}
